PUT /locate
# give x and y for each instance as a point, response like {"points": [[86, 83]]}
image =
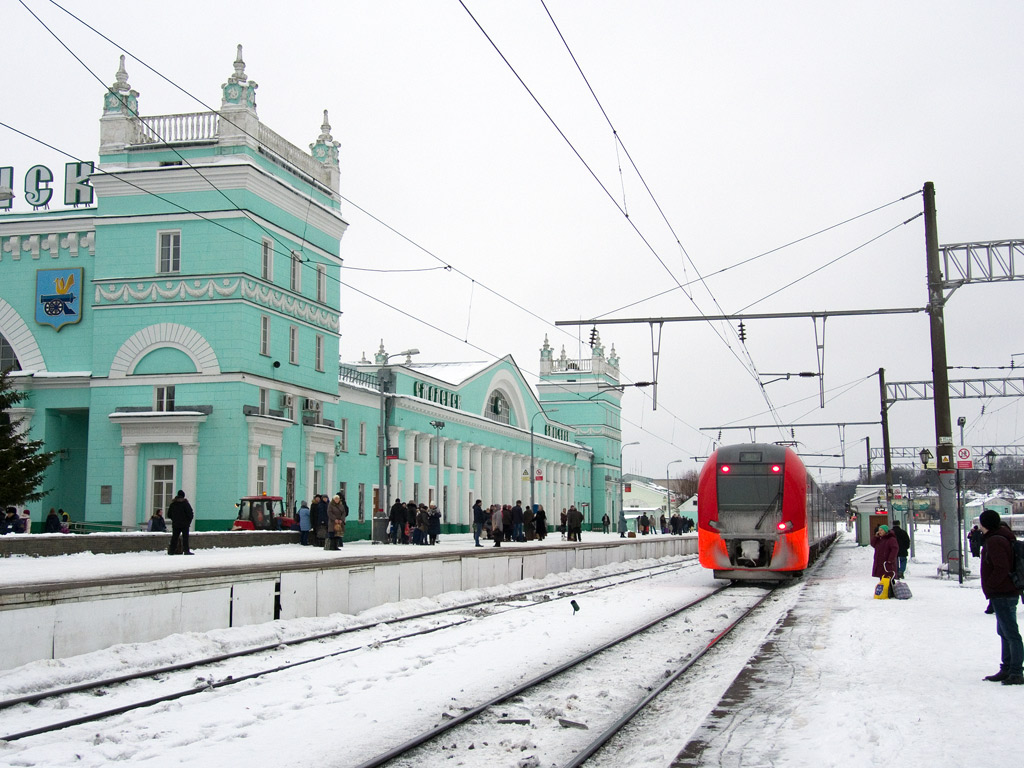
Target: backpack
{"points": [[1017, 571]]}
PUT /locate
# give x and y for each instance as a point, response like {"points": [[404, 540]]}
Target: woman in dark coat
{"points": [[541, 522], [52, 523], [886, 551], [433, 523]]}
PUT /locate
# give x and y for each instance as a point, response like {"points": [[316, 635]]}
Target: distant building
{"points": [[177, 326]]}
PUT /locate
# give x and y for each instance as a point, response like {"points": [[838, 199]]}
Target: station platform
{"points": [[139, 596]]}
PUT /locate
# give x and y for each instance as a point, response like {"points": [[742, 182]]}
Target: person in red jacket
{"points": [[996, 565], [886, 551]]}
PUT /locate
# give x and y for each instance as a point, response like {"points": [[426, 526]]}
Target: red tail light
{"points": [[726, 469], [776, 469]]}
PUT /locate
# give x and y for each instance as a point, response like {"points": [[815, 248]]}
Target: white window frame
{"points": [[261, 477], [151, 466], [293, 344], [264, 401], [296, 272], [173, 236], [163, 396], [319, 352], [321, 283], [318, 475], [343, 428], [265, 335], [362, 437], [267, 260]]}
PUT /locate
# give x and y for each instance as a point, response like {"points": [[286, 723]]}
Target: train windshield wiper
{"points": [[768, 509]]}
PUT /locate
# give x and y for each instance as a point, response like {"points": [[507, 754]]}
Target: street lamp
{"points": [[990, 459], [668, 488], [384, 380], [438, 426], [533, 472], [622, 487]]}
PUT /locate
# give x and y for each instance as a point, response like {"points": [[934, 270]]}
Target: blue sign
{"points": [[58, 296]]}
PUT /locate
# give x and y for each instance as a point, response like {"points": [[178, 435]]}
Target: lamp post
{"points": [[668, 488], [438, 426], [384, 381], [622, 489], [533, 472]]}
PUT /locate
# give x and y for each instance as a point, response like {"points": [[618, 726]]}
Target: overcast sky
{"points": [[753, 125]]}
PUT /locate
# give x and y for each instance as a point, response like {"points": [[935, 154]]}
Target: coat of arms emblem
{"points": [[58, 296]]}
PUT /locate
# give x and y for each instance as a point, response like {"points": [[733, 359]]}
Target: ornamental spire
{"points": [[325, 149]]}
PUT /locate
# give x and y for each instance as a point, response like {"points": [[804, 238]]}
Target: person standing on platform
{"points": [[623, 523], [180, 512], [886, 552], [156, 524], [563, 525], [396, 517], [517, 521], [10, 521], [974, 538], [1002, 594], [541, 521], [305, 523], [433, 523], [337, 511], [529, 524], [52, 523], [574, 519], [497, 524], [903, 540], [479, 518], [606, 522]]}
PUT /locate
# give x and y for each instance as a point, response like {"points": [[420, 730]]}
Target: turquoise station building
{"points": [[177, 325]]}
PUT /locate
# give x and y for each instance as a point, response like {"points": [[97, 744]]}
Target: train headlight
{"points": [[776, 468], [725, 469], [785, 527]]}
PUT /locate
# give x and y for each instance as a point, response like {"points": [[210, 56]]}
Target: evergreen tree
{"points": [[22, 461]]}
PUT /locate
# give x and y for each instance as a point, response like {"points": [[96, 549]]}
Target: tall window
{"points": [[267, 270], [321, 283], [296, 282], [343, 439], [264, 401], [169, 252], [264, 335], [162, 490], [164, 399], [293, 344], [319, 352], [7, 357], [362, 437], [261, 478], [317, 477]]}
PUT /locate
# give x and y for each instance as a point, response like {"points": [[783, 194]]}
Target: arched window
{"points": [[498, 408], [7, 357]]}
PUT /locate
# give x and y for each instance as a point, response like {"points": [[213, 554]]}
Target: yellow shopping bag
{"points": [[883, 588]]}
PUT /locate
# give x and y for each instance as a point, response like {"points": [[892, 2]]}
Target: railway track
{"points": [[104, 698], [503, 718]]}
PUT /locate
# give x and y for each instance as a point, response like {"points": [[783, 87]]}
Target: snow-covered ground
{"points": [[846, 680]]}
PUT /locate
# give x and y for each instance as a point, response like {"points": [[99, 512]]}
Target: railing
{"points": [[354, 376], [193, 126], [83, 527], [558, 366], [290, 153]]}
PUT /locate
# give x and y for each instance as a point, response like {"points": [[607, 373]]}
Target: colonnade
{"points": [[469, 472]]}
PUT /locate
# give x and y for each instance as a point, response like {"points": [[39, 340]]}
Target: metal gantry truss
{"points": [[977, 450], [992, 262], [958, 389]]}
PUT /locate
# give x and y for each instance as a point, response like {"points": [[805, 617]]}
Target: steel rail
{"points": [[232, 680], [32, 698], [423, 738]]}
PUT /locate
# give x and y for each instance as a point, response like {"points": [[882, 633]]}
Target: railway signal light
{"points": [[743, 332]]}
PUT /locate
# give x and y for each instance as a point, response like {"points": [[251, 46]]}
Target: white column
{"points": [[310, 466], [275, 471], [130, 487], [510, 477], [496, 477], [250, 472], [189, 471], [468, 449], [485, 489], [393, 466], [410, 466], [453, 512]]}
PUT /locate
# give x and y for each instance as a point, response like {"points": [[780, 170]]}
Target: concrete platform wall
{"points": [[61, 623]]}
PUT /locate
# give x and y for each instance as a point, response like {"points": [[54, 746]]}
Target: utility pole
{"points": [[949, 535], [885, 445]]}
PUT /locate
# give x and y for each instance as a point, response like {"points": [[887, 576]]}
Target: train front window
{"points": [[749, 489]]}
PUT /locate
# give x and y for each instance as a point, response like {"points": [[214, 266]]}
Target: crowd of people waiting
{"points": [[57, 521]]}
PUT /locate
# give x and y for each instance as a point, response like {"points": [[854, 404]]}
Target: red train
{"points": [[760, 516]]}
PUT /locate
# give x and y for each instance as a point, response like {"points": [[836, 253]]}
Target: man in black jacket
{"points": [[903, 540], [1003, 595], [180, 512]]}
